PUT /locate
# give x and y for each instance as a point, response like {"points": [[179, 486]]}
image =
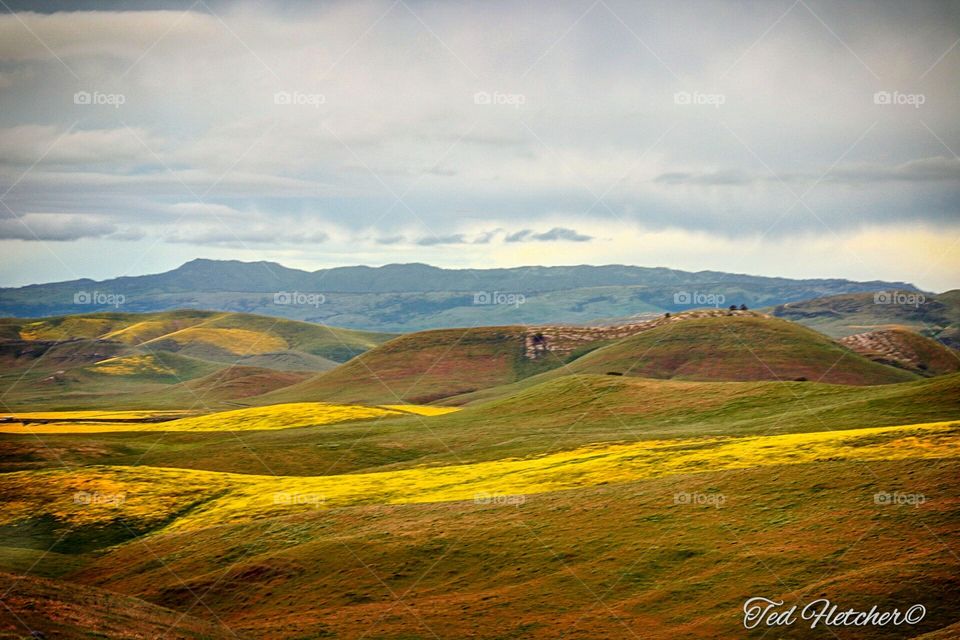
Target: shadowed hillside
{"points": [[61, 610]]}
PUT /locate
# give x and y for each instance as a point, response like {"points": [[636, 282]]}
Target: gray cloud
{"points": [[454, 238], [193, 144], [921, 170], [553, 235], [53, 227]]}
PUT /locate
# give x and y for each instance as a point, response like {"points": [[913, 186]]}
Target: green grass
{"points": [[561, 414]]}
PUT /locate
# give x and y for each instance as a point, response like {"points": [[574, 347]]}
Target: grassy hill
{"points": [[423, 367], [905, 349], [166, 359], [444, 365], [744, 346], [222, 333], [937, 316]]}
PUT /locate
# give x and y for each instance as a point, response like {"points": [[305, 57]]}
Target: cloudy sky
{"points": [[801, 138]]}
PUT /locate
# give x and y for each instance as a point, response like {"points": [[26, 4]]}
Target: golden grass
{"points": [[67, 329], [279, 416], [132, 365], [420, 409], [154, 494], [141, 331], [239, 342]]}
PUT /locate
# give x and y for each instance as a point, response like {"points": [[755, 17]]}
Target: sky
{"points": [[796, 138]]}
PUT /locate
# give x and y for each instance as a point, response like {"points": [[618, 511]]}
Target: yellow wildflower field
{"points": [[205, 498], [132, 365], [279, 416], [240, 342], [421, 409]]}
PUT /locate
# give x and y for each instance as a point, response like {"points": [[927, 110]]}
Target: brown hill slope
{"points": [[905, 349]]}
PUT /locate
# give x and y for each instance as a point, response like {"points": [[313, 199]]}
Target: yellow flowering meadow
{"points": [[132, 365], [280, 416], [421, 409], [206, 498]]}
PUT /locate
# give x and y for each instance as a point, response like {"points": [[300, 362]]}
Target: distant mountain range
{"points": [[409, 297]]}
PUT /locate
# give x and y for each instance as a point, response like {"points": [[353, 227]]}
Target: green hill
{"points": [[462, 365], [147, 360], [423, 367], [744, 346]]}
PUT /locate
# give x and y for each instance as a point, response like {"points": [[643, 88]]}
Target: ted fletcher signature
{"points": [[763, 611]]}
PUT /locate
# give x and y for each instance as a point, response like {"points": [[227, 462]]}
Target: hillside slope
{"points": [[905, 349], [673, 553], [154, 360], [55, 609], [735, 346], [707, 344], [935, 316], [423, 367]]}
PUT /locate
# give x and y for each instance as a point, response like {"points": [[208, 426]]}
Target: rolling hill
{"points": [[935, 316], [414, 297], [905, 349], [166, 359], [423, 367], [738, 346], [460, 365]]}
